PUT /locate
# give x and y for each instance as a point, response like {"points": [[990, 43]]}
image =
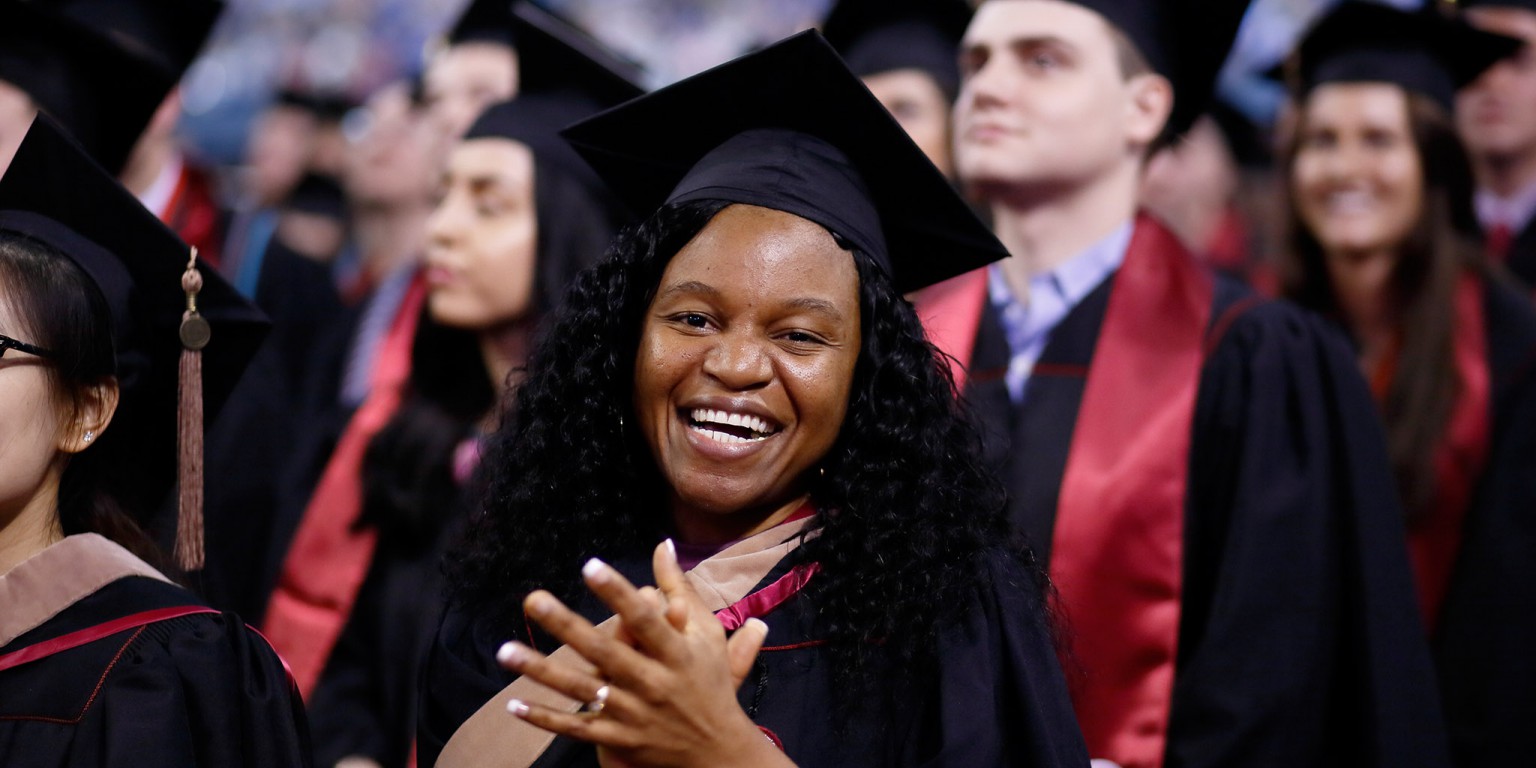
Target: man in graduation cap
{"points": [[103, 660], [1201, 470], [1496, 115]]}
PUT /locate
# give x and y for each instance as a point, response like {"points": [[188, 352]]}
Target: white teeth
{"points": [[705, 416]]}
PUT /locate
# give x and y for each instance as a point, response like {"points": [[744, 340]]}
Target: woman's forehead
{"points": [[746, 247]]}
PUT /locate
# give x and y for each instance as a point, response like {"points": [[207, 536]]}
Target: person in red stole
{"points": [[103, 659], [1200, 470], [1385, 243], [741, 379], [1496, 116], [518, 217], [175, 188]]}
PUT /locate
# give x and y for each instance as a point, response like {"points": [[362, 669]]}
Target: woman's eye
{"points": [[693, 320], [801, 337]]}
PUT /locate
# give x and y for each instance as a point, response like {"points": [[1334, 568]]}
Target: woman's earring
{"points": [[821, 472], [89, 435]]}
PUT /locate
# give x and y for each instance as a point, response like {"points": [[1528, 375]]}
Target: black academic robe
{"points": [[997, 697], [200, 690], [1484, 642], [365, 702], [1521, 258], [1299, 638]]}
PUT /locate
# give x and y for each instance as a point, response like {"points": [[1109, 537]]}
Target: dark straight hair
{"points": [[60, 309]]}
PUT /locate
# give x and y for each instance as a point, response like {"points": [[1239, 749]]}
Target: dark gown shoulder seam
{"points": [[1228, 317], [95, 692]]}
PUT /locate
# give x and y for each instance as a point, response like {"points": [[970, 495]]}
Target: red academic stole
{"points": [[328, 561], [951, 313], [1434, 541], [1117, 552]]}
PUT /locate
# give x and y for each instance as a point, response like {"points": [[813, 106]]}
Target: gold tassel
{"points": [[189, 426]]}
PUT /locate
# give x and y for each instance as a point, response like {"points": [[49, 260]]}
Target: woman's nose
{"points": [[739, 363]]}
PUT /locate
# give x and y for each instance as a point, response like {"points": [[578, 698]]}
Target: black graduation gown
{"points": [[1521, 259], [996, 699], [1484, 642], [365, 702], [200, 690], [1299, 639]]}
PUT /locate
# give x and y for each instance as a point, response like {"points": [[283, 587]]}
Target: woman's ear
{"points": [[93, 412]]}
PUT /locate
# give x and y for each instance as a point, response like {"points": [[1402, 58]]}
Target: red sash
{"points": [[328, 561], [43, 650], [951, 313], [1117, 552], [1434, 542]]}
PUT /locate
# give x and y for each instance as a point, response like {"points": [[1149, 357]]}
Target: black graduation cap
{"points": [[485, 21], [1186, 41], [317, 194], [566, 76], [326, 106], [101, 67], [54, 193], [791, 128], [1424, 52], [168, 34], [876, 36]]}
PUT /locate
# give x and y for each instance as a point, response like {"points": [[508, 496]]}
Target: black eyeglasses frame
{"points": [[8, 343]]}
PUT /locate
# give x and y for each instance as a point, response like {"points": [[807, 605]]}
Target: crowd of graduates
{"points": [[958, 384]]}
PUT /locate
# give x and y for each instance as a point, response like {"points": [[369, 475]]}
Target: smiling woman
{"points": [[1384, 242], [739, 391]]}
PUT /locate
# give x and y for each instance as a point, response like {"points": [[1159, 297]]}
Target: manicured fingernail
{"points": [[760, 624], [517, 707], [671, 550], [539, 605], [509, 653], [596, 571]]}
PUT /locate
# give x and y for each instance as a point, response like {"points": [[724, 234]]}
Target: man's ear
{"points": [[1147, 110], [93, 412]]}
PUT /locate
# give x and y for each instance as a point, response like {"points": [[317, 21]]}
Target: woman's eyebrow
{"points": [[689, 287], [820, 306]]}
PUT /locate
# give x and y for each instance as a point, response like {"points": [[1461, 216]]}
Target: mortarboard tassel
{"points": [[189, 427]]}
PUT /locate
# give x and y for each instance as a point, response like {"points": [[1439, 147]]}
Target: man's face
{"points": [[1497, 112], [1044, 103], [16, 112]]}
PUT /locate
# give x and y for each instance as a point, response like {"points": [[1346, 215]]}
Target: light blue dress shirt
{"points": [[1052, 295]]}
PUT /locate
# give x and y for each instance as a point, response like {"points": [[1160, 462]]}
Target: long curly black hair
{"points": [[908, 512]]}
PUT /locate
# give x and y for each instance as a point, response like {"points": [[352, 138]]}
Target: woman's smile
{"points": [[744, 367]]}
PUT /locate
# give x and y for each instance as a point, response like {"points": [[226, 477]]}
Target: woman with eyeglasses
{"points": [[104, 660]]}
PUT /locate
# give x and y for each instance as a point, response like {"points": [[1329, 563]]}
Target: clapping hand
{"points": [[664, 690]]}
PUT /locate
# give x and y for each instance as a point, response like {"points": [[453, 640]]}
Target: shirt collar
{"points": [[1074, 278], [1514, 211]]}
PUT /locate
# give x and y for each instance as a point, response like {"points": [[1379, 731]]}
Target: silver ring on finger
{"points": [[599, 700]]}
